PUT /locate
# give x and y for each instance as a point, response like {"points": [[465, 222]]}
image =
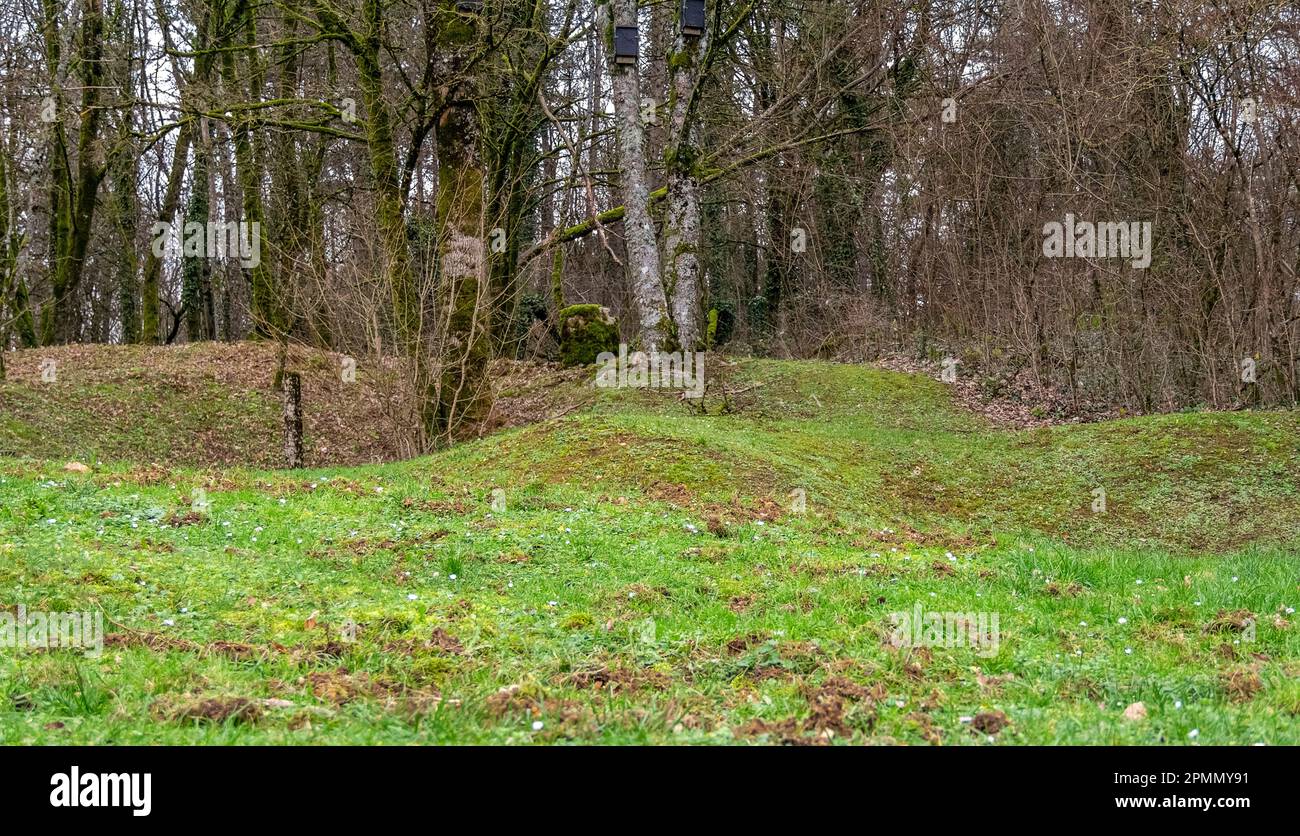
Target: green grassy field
{"points": [[652, 580]]}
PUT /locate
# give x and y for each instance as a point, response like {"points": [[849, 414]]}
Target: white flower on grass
{"points": [[412, 597], [1194, 733], [1129, 651], [538, 725], [452, 576], [1234, 578], [1123, 620], [378, 489], [167, 622], [1178, 703], [1083, 624]]}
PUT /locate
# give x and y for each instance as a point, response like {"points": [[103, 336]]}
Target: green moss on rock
{"points": [[586, 331]]}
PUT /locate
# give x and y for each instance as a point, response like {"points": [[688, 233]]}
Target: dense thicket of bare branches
{"points": [[436, 179]]}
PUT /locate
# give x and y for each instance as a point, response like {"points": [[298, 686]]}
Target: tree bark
{"points": [[643, 266]]}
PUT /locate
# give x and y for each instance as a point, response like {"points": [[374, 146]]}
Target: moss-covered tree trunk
{"points": [[267, 305], [73, 200], [682, 219], [465, 303], [150, 315]]}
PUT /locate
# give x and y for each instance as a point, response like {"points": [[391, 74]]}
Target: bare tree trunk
{"points": [[643, 267]]}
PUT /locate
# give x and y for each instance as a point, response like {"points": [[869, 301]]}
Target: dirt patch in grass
{"points": [[990, 722], [788, 732], [558, 718], [618, 679], [209, 710], [1241, 685], [341, 687], [444, 642], [829, 701], [1230, 621]]}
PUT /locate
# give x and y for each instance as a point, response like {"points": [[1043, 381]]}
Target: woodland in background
{"points": [[436, 180]]}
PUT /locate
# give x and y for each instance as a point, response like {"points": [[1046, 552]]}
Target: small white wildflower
{"points": [[1123, 620], [538, 725]]}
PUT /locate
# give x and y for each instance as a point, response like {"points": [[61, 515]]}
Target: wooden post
{"points": [[291, 389]]}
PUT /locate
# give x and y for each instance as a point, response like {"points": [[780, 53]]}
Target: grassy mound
{"points": [[651, 574]]}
